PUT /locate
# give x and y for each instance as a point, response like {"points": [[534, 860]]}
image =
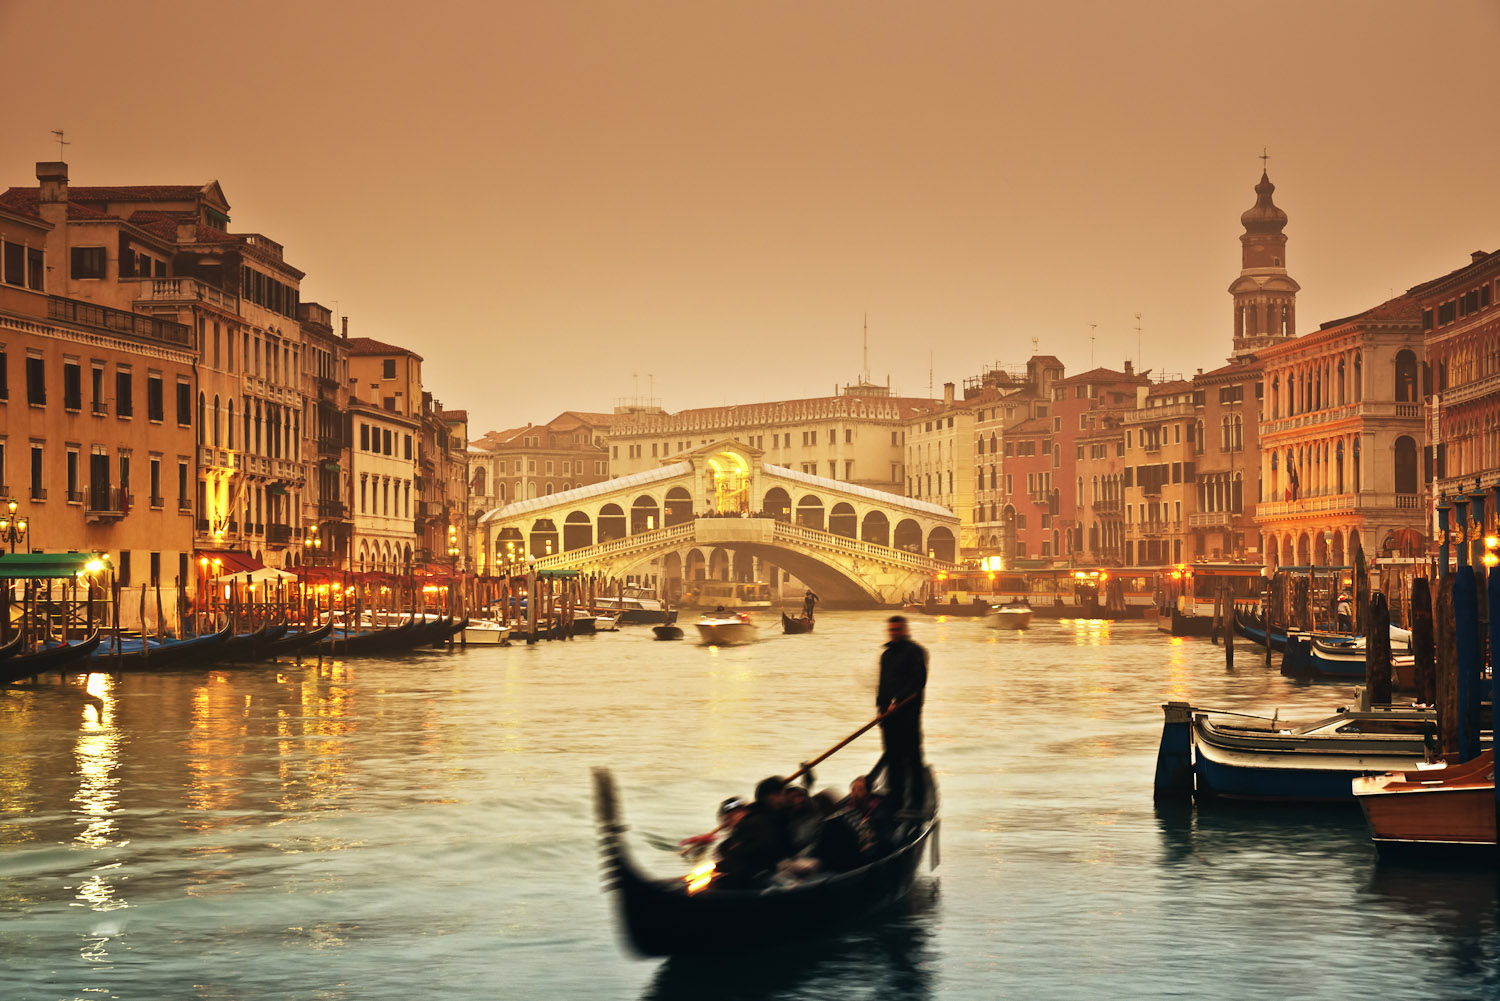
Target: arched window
{"points": [[1406, 377], [1359, 378], [202, 414], [229, 426], [217, 422], [1406, 465], [1338, 467], [1343, 396]]}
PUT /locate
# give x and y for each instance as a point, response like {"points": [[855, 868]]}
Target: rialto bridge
{"points": [[720, 512]]}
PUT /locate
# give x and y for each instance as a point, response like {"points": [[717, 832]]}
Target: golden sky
{"points": [[547, 198]]}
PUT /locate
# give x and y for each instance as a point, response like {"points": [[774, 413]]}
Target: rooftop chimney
{"points": [[947, 394], [346, 327], [53, 178], [1476, 256], [1129, 368]]}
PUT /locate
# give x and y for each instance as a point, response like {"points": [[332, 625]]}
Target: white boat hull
{"points": [[1009, 618], [726, 632], [485, 633]]}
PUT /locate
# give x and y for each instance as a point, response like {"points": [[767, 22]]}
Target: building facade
{"points": [[1159, 477]]}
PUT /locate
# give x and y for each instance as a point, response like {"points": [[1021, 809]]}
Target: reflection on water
{"points": [[415, 828]]}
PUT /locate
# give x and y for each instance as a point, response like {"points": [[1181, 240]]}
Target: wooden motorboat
{"points": [[1438, 812], [720, 629], [801, 624], [1267, 760], [638, 605], [685, 915], [60, 657], [485, 632], [1009, 617]]}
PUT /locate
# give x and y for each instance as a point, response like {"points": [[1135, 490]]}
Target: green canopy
{"points": [[31, 566]]}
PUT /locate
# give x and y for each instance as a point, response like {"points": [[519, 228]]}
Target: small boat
{"points": [[12, 648], [292, 644], [1312, 763], [57, 657], [725, 629], [688, 914], [1009, 617], [138, 654], [801, 624], [1440, 812], [1253, 628], [1347, 660], [635, 605], [485, 632], [604, 623], [670, 631]]}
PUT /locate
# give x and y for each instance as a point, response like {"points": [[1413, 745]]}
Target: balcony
{"points": [[330, 447], [178, 290], [1210, 519], [118, 321], [99, 408], [1454, 395], [5, 493], [105, 504], [38, 493], [279, 533], [1337, 504], [158, 502], [184, 506], [1348, 411], [331, 509], [1109, 505], [73, 496]]}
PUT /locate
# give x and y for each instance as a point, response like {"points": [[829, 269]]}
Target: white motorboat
{"points": [[726, 629], [483, 632], [1009, 617], [606, 623], [634, 605]]}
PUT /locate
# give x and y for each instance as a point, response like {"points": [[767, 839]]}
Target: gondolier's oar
{"points": [[808, 765], [663, 843]]}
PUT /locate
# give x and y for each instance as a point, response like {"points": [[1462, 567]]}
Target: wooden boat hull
{"points": [[1433, 814], [661, 918], [1009, 618], [58, 658], [795, 626]]}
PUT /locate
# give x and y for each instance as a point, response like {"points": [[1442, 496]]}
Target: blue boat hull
{"points": [[1217, 780]]}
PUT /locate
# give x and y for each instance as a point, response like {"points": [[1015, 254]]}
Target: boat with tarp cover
{"points": [[689, 914]]}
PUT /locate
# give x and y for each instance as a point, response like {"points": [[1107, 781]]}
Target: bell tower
{"points": [[1265, 296]]}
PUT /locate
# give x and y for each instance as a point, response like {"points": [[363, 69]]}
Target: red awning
{"points": [[227, 561]]}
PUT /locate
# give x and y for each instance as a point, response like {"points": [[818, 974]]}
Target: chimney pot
{"points": [[345, 327], [1129, 367], [1478, 255]]}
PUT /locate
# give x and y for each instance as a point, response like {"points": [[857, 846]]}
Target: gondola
{"points": [[450, 629], [55, 658], [12, 648], [667, 917], [294, 643], [135, 655], [803, 624]]}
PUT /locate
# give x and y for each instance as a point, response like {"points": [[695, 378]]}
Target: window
{"points": [[38, 492], [155, 565], [15, 264], [155, 471], [72, 386], [893, 438], [388, 368], [155, 404], [4, 375], [88, 262], [124, 404], [385, 442], [122, 568], [408, 446], [36, 381], [364, 437], [184, 403]]}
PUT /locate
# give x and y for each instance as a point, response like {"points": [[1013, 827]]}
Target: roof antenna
{"points": [[1138, 341], [1035, 343], [865, 371], [61, 142], [929, 373], [1092, 327]]}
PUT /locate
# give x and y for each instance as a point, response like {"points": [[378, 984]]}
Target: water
{"points": [[421, 828]]}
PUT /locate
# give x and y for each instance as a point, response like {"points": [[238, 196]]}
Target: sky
{"points": [[563, 204]]}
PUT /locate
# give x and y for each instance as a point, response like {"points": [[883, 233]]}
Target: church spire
{"points": [[1265, 295]]}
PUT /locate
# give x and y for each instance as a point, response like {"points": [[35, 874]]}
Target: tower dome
{"points": [[1263, 216]]}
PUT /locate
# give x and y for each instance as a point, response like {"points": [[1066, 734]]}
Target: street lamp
{"points": [[453, 544], [12, 529], [312, 543]]}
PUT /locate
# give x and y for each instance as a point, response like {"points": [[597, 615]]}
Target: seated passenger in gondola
{"points": [[857, 834], [759, 841], [803, 818]]}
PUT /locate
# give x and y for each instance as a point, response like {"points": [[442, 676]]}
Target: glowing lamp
{"points": [[1490, 559], [94, 565], [1492, 541]]}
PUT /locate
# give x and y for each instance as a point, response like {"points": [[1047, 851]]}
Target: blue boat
{"points": [[1254, 629], [1207, 755]]}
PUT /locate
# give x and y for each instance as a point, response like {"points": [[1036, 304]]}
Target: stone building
{"points": [[940, 462], [1341, 436], [1461, 336], [1226, 439], [1159, 476], [326, 518], [522, 463]]}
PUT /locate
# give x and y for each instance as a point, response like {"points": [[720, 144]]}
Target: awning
{"points": [[228, 562], [332, 467], [31, 566]]}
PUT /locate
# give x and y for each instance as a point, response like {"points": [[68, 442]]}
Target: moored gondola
{"points": [[664, 917], [11, 648], [47, 660], [134, 655], [294, 643], [801, 624]]}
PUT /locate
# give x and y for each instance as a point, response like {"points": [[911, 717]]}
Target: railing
{"points": [[1408, 502], [1148, 415], [38, 493], [73, 496], [117, 321], [279, 533], [829, 540], [1108, 505], [1210, 519], [330, 446], [331, 509], [191, 289], [1329, 415], [614, 547], [1363, 501], [106, 504], [184, 505], [99, 407], [1470, 390], [158, 502]]}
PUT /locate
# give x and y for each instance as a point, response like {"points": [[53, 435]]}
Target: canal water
{"points": [[421, 828]]}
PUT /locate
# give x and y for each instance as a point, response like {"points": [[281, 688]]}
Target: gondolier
{"points": [[809, 600], [903, 673]]}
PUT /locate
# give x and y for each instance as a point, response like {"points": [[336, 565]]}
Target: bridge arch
{"points": [[876, 528], [941, 544], [645, 514], [677, 508], [843, 521], [810, 511], [612, 524], [544, 541], [908, 536], [694, 565], [718, 564], [578, 531], [778, 504]]}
